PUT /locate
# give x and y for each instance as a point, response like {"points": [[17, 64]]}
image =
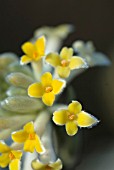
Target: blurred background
{"points": [[93, 20]]}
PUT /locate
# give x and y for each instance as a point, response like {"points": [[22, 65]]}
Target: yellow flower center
{"points": [[48, 89], [48, 168], [64, 63], [35, 55], [71, 116], [11, 156], [32, 136]]}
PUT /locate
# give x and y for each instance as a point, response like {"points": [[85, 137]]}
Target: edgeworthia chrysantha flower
{"points": [[65, 62], [72, 117], [46, 89], [37, 165], [9, 157], [33, 52], [29, 137]]}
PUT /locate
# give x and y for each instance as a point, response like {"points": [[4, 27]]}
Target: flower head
{"points": [[29, 137], [65, 62], [46, 89], [33, 52], [9, 157], [72, 117], [37, 165]]}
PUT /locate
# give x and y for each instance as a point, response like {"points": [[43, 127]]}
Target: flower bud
{"points": [[21, 104], [19, 80]]}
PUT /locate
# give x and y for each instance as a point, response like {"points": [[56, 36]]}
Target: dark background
{"points": [[94, 20]]}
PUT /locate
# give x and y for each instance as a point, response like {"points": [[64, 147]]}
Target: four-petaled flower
{"points": [[65, 62], [46, 89], [37, 165], [9, 157], [33, 52], [72, 117], [29, 137]]}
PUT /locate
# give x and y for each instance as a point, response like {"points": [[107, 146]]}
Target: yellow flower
{"points": [[72, 117], [33, 52], [29, 137], [46, 89], [65, 62], [9, 157], [37, 165]]}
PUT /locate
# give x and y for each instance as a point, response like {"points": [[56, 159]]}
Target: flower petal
{"points": [[57, 86], [35, 90], [56, 165], [48, 98], [25, 59], [38, 146], [19, 136], [63, 72], [71, 128], [75, 107], [53, 59], [28, 48], [29, 127], [40, 46], [60, 117], [66, 53], [4, 147], [46, 79], [29, 146], [86, 120], [17, 154], [4, 160], [15, 164], [36, 164], [77, 62]]}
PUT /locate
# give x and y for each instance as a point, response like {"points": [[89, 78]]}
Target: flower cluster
{"points": [[28, 99]]}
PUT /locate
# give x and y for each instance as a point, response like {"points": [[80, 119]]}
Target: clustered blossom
{"points": [[46, 89]]}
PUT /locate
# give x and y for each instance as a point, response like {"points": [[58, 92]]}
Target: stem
{"points": [[37, 69], [55, 74], [41, 122], [29, 157], [49, 155]]}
